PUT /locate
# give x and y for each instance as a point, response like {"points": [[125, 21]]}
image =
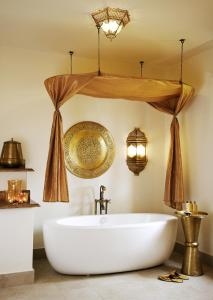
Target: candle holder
{"points": [[14, 190], [3, 195], [23, 197]]}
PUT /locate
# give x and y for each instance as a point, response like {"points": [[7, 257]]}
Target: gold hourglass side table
{"points": [[191, 226]]}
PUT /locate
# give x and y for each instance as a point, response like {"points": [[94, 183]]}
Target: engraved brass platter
{"points": [[89, 149]]}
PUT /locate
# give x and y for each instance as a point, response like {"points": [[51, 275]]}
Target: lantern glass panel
{"points": [[132, 151], [110, 26], [141, 150]]}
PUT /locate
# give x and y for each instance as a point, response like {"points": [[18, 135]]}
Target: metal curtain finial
{"points": [[181, 61], [141, 63], [71, 53], [99, 59]]}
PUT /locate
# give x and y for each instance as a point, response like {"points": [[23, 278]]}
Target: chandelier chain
{"points": [[99, 52], [71, 54], [141, 63], [181, 61]]}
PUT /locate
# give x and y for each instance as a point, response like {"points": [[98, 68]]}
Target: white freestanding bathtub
{"points": [[109, 243]]}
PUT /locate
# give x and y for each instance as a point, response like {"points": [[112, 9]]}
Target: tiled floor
{"points": [[136, 285]]}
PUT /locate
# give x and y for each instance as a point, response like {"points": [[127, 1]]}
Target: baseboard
{"points": [[39, 253], [205, 258], [12, 279], [179, 248]]}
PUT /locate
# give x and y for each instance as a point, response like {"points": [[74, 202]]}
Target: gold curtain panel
{"points": [[164, 95], [89, 149]]}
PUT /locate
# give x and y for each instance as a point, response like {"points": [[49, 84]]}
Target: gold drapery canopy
{"points": [[164, 95]]}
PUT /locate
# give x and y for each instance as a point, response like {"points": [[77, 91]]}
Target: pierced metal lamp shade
{"points": [[111, 20]]}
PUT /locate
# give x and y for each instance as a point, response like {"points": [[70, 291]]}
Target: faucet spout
{"points": [[102, 190]]}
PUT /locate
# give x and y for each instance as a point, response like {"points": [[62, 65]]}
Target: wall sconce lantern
{"points": [[136, 151]]}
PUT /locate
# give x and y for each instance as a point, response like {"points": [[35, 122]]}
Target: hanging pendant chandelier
{"points": [[111, 20]]}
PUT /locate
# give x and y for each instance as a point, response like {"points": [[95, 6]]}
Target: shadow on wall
{"points": [[195, 67], [198, 50], [83, 201], [196, 80], [206, 224]]}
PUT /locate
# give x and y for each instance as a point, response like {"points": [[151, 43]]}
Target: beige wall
{"points": [[196, 122], [26, 115]]}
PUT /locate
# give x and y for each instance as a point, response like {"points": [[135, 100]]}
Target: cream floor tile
{"points": [[31, 292], [136, 285]]}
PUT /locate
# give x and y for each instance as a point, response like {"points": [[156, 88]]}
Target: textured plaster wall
{"points": [[26, 115], [196, 124]]}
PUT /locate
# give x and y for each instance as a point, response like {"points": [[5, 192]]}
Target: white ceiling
{"points": [[152, 35]]}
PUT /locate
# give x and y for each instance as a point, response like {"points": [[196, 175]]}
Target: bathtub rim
{"points": [[53, 223]]}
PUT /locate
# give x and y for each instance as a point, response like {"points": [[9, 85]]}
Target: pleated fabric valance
{"points": [[163, 95]]}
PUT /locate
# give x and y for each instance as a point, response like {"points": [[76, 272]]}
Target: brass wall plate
{"points": [[89, 149]]}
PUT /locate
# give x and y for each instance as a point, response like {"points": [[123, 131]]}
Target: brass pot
{"points": [[11, 155]]}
